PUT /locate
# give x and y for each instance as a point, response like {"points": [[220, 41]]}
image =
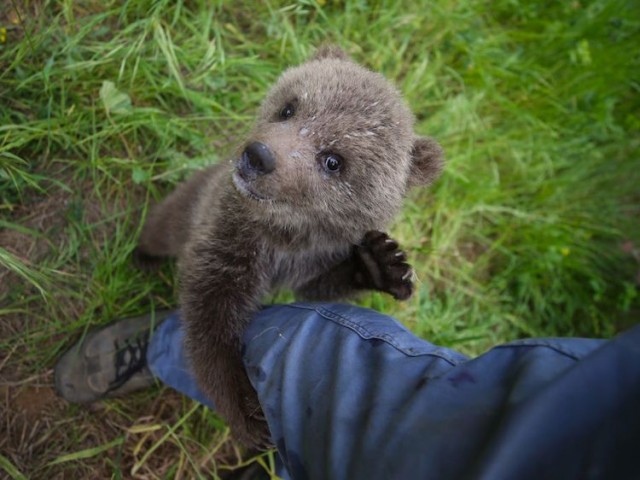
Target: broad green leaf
{"points": [[114, 100]]}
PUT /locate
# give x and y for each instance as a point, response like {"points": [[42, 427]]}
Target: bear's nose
{"points": [[259, 158]]}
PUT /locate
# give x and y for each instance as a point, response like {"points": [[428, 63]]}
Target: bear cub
{"points": [[303, 206]]}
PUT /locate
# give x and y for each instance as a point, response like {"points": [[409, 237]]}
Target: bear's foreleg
{"points": [[376, 264]]}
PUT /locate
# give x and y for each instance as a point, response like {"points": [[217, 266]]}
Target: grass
{"points": [[533, 230]]}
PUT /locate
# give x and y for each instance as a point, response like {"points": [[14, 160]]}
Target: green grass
{"points": [[104, 106]]}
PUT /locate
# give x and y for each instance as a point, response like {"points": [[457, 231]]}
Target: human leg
{"points": [[350, 393]]}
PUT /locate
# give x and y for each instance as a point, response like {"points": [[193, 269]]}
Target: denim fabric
{"points": [[168, 361], [349, 393]]}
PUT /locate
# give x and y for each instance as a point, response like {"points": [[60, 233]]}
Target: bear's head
{"points": [[333, 148]]}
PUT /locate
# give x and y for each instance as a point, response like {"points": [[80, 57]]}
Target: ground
{"points": [[532, 230]]}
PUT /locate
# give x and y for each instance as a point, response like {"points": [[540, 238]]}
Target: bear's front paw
{"points": [[245, 416], [382, 266], [251, 429]]}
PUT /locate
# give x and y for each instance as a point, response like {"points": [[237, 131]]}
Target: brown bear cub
{"points": [[324, 171]]}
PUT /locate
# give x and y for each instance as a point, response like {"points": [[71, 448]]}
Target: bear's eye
{"points": [[332, 162], [287, 112]]}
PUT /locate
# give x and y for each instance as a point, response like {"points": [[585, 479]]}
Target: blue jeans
{"points": [[349, 393]]}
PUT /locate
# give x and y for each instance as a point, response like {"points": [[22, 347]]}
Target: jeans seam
{"points": [[555, 348], [367, 335]]}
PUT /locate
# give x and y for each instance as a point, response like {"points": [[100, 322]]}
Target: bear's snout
{"points": [[257, 159]]}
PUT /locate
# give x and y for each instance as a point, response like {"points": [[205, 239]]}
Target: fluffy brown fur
{"points": [[241, 231]]}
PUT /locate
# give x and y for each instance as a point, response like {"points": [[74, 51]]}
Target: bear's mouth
{"points": [[245, 188]]}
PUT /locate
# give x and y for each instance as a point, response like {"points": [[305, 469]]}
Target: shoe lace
{"points": [[131, 357]]}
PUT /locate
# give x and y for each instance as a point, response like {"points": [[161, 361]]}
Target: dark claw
{"points": [[400, 256], [373, 235], [383, 266], [389, 245], [402, 292]]}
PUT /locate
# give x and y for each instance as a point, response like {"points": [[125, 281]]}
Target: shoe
{"points": [[108, 362]]}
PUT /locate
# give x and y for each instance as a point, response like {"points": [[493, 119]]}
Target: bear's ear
{"points": [[427, 160], [330, 51]]}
